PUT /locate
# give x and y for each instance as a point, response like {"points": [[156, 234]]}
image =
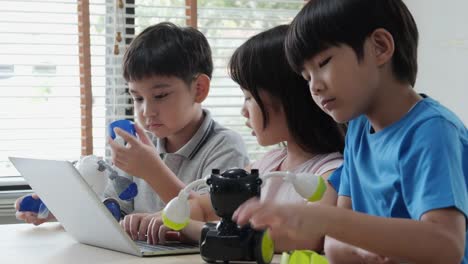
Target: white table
{"points": [[49, 243]]}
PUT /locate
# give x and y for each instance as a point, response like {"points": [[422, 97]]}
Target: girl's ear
{"points": [[202, 87], [383, 46]]}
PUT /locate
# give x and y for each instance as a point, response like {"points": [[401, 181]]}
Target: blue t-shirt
{"points": [[335, 177], [415, 165]]}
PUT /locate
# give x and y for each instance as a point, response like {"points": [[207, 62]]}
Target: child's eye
{"points": [[137, 99], [325, 62], [160, 96], [246, 98]]}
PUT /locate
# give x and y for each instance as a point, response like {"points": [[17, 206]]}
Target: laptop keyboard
{"points": [[169, 246]]}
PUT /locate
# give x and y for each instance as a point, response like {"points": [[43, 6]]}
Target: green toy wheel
{"points": [[264, 248]]}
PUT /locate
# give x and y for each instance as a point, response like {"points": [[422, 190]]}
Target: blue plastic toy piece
{"points": [[130, 192], [124, 124], [113, 207], [29, 204]]}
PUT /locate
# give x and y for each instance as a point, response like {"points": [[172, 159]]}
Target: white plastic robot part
{"points": [[177, 211], [305, 184], [88, 168], [119, 140]]}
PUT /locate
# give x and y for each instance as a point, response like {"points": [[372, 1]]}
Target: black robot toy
{"points": [[226, 241]]}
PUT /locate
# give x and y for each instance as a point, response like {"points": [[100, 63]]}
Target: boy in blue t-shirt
{"points": [[406, 156]]}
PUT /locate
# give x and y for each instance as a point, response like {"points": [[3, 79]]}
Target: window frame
{"points": [[17, 183]]}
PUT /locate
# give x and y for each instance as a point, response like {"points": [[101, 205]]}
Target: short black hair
{"points": [[168, 50], [260, 65], [325, 23]]}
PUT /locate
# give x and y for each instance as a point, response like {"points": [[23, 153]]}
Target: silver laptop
{"points": [[81, 212]]}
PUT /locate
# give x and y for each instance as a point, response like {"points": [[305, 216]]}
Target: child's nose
{"points": [[316, 87], [244, 111], [149, 110]]}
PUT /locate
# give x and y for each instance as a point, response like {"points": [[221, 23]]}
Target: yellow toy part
{"points": [[173, 225], [319, 191], [303, 257], [268, 249], [265, 249]]}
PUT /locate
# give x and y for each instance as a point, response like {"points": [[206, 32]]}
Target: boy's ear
{"points": [[383, 45], [202, 87]]}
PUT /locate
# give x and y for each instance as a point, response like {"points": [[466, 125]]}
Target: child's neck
{"points": [[176, 141], [295, 156], [391, 103]]}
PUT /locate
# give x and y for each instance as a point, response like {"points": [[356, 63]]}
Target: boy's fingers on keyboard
{"points": [[162, 234], [143, 228], [134, 225], [150, 238], [126, 225], [166, 234], [153, 230]]}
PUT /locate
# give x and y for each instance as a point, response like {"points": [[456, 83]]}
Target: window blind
{"points": [[226, 24], [40, 111], [56, 54]]}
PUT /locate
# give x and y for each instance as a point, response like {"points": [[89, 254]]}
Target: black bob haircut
{"points": [[260, 64], [168, 50], [325, 23]]}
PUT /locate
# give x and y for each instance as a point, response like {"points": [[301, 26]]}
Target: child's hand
{"points": [[30, 217], [290, 225], [339, 252], [136, 155], [158, 233], [136, 225], [372, 258]]}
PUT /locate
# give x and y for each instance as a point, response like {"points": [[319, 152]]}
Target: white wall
{"points": [[443, 52]]}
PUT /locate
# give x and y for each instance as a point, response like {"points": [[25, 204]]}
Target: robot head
{"points": [[232, 188]]}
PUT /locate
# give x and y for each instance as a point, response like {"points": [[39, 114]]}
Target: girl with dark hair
{"points": [[279, 109]]}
